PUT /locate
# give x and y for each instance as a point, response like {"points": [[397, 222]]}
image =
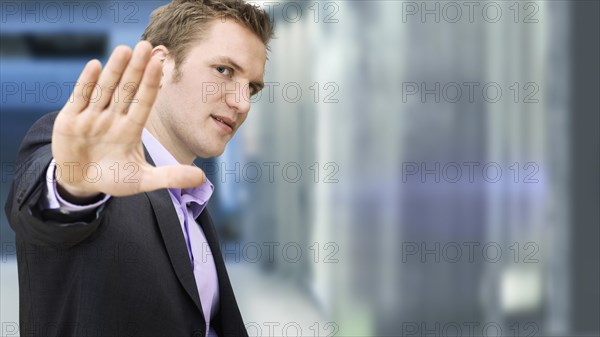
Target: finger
{"points": [[142, 103], [109, 78], [131, 78], [78, 100], [175, 176]]}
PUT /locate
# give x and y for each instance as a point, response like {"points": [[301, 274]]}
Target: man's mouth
{"points": [[224, 120]]}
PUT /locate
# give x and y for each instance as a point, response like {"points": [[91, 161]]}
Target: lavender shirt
{"points": [[194, 200]]}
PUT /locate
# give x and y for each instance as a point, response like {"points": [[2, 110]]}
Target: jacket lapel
{"points": [[173, 238], [230, 322]]}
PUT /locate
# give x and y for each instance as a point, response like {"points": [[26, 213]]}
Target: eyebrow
{"points": [[226, 59]]}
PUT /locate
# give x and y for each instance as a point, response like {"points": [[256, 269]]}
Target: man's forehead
{"points": [[232, 43]]}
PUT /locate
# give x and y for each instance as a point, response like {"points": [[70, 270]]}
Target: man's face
{"points": [[198, 114]]}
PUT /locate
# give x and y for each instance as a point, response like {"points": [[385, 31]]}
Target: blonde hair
{"points": [[182, 22]]}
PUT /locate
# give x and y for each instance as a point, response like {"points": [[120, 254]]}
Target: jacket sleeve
{"points": [[35, 224]]}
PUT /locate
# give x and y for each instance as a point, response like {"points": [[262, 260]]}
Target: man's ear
{"points": [[161, 52]]}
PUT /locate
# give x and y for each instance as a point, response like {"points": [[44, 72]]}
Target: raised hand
{"points": [[96, 140]]}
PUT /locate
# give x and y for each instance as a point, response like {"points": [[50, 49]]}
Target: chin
{"points": [[210, 153]]}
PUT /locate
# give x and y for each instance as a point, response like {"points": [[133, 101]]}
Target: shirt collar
{"points": [[197, 196]]}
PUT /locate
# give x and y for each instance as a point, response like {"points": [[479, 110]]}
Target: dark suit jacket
{"points": [[122, 271]]}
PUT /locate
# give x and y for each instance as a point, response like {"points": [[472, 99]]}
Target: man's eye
{"points": [[224, 70]]}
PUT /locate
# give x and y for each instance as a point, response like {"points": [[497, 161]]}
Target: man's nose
{"points": [[237, 96]]}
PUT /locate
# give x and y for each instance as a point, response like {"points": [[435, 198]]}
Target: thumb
{"points": [[174, 176]]}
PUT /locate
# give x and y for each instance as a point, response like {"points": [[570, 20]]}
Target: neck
{"points": [[157, 129]]}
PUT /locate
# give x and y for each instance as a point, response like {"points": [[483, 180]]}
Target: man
{"points": [[113, 237]]}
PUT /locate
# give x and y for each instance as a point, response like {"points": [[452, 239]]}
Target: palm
{"points": [[96, 140]]}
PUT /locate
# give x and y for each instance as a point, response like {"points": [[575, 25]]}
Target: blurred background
{"points": [[424, 168]]}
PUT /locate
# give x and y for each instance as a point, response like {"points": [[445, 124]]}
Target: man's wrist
{"points": [[77, 197]]}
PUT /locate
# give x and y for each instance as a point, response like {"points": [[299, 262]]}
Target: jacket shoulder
{"points": [[38, 134]]}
